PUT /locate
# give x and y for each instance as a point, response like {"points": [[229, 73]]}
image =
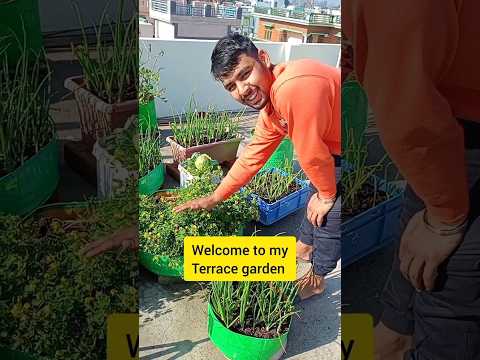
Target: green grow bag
{"points": [[15, 16], [32, 184], [147, 116], [164, 265], [6, 354], [354, 112], [153, 181], [241, 347], [277, 159]]}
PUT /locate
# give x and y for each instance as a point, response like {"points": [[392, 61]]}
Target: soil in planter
{"points": [[166, 197], [259, 332], [367, 198]]}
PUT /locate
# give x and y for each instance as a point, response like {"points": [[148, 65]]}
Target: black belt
{"points": [[471, 130], [338, 160]]}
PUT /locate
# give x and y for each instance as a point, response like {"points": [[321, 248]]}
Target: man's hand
{"points": [[422, 250], [125, 239], [207, 203], [317, 209]]}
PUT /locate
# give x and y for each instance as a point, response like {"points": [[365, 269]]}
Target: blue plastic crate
{"points": [[373, 229], [271, 213]]}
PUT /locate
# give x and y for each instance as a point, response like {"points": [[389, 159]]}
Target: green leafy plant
{"points": [[54, 302], [149, 151], [111, 71], [149, 81], [25, 124], [260, 309], [203, 166], [162, 231], [272, 184], [123, 145], [199, 128]]}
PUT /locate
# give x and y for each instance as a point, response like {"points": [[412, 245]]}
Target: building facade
{"points": [[143, 8], [194, 20], [283, 25]]}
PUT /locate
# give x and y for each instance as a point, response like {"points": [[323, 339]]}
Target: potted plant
{"points": [[162, 231], [151, 168], [29, 154], [55, 301], [278, 192], [213, 133], [370, 205], [117, 159], [149, 89], [199, 166], [246, 318], [106, 93]]}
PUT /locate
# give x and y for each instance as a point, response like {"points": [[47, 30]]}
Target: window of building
{"points": [[268, 32]]}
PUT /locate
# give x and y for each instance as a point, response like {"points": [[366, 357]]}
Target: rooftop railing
{"points": [[307, 17]]}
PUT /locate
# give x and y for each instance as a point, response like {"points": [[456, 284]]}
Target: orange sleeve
{"points": [[252, 159], [307, 104], [407, 55]]}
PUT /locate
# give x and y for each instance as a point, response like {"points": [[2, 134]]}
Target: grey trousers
{"points": [[325, 239], [444, 323]]}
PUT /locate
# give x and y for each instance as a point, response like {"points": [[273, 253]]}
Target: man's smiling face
{"points": [[250, 81]]}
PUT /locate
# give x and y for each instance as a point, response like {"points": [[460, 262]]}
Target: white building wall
{"points": [[164, 30]]}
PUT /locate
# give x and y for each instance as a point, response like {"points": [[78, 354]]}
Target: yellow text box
{"points": [[122, 337], [357, 337], [239, 258]]}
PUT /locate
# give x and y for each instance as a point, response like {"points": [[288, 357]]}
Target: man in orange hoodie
{"points": [[416, 61], [300, 99]]}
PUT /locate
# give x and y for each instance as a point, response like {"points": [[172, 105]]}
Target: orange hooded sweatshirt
{"points": [[305, 105], [416, 61]]}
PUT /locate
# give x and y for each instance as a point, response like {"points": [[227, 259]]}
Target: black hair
{"points": [[225, 56]]}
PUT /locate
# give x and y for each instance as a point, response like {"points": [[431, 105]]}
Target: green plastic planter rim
{"points": [[161, 265], [53, 142], [150, 183], [210, 310], [147, 116], [33, 183]]}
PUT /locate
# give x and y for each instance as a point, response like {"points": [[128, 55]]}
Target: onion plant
{"points": [[25, 124], [262, 304], [273, 184], [149, 153], [357, 174], [199, 128], [111, 71]]}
